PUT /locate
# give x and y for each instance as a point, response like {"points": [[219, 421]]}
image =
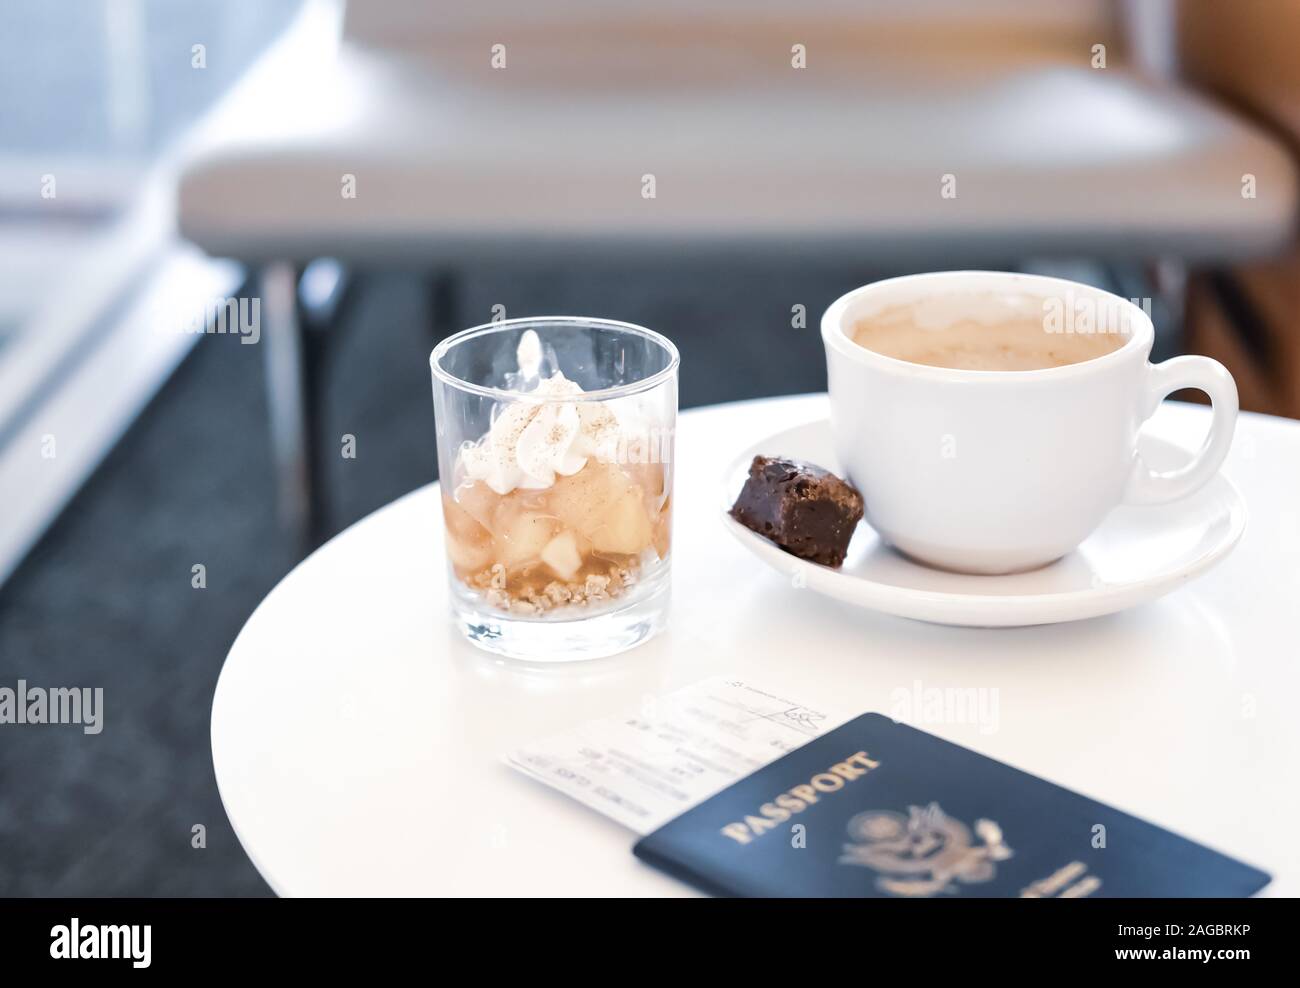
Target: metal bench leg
{"points": [[1170, 277], [444, 304], [286, 393]]}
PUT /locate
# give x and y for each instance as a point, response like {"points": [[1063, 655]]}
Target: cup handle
{"points": [[1147, 486]]}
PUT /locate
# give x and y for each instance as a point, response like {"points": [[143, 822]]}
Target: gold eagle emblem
{"points": [[925, 852]]}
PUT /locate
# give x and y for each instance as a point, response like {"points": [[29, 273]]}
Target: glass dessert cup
{"points": [[555, 442]]}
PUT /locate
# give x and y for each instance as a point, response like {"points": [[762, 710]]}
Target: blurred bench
{"points": [[935, 133]]}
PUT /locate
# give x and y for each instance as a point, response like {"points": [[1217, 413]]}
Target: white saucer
{"points": [[1138, 553]]}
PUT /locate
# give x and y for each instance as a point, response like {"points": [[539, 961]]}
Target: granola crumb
{"points": [[557, 593], [533, 601]]}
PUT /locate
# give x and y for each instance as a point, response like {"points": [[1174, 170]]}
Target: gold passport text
{"points": [[799, 798]]}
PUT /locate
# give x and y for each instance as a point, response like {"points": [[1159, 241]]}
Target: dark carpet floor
{"points": [[106, 598]]}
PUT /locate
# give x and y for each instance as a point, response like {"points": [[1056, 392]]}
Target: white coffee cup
{"points": [[1002, 471]]}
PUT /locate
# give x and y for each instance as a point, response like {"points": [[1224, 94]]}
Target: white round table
{"points": [[357, 738]]}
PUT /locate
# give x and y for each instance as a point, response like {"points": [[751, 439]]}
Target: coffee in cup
{"points": [[947, 331]]}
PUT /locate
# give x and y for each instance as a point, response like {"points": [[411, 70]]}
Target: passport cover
{"points": [[878, 809]]}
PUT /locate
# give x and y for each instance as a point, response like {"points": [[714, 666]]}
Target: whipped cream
{"points": [[539, 437]]}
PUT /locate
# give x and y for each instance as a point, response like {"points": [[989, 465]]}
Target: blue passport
{"points": [[878, 809]]}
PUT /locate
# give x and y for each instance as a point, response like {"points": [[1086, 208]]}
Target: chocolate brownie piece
{"points": [[807, 511]]}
